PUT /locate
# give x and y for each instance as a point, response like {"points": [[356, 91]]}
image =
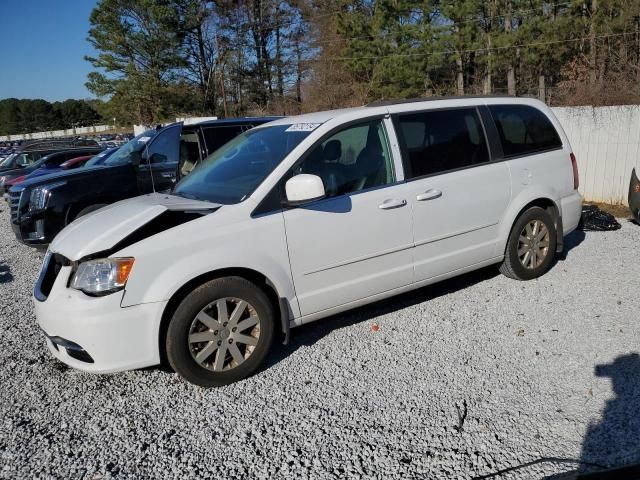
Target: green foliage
{"points": [[24, 116]]}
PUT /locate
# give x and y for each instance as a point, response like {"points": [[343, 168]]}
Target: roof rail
{"points": [[384, 103]]}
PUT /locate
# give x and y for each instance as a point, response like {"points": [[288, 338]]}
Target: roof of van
{"points": [[324, 116], [236, 121]]}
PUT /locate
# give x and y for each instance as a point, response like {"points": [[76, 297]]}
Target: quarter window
{"points": [[351, 160], [524, 130], [441, 140]]}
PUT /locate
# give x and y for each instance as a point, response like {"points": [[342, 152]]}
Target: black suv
{"points": [[152, 161]]}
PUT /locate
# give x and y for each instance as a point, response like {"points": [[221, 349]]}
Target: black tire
{"points": [[89, 209], [180, 327], [512, 265]]}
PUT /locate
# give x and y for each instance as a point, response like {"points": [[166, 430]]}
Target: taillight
{"points": [[576, 178]]}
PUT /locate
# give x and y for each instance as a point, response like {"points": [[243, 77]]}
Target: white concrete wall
{"points": [[57, 133], [606, 142]]}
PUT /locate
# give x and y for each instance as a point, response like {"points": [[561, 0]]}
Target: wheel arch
{"points": [[76, 207], [279, 304], [543, 201]]}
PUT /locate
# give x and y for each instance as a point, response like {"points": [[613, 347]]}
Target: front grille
{"points": [[14, 203], [51, 266]]}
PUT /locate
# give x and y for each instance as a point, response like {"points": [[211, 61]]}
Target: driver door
{"points": [[357, 241], [157, 169]]}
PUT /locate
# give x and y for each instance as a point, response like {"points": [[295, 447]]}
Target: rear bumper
{"points": [[96, 334], [571, 211], [634, 195]]}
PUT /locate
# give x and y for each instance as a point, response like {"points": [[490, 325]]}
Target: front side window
{"points": [[524, 130], [441, 140], [165, 147], [351, 160], [235, 170]]}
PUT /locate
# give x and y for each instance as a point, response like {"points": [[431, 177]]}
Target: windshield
{"points": [[9, 160], [235, 170], [129, 150], [97, 159]]}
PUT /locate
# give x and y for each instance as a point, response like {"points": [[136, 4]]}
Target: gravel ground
{"points": [[545, 371]]}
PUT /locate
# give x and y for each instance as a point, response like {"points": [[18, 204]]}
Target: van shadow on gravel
{"points": [[571, 241], [309, 334], [5, 273]]}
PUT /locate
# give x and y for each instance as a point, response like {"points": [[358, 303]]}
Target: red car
{"points": [[75, 162]]}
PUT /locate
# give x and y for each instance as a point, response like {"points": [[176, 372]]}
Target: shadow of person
{"points": [[5, 273], [615, 440]]}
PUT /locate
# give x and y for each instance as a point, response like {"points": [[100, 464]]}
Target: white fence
{"points": [[606, 142], [57, 133]]}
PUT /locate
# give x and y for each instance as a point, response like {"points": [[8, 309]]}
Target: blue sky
{"points": [[42, 48]]}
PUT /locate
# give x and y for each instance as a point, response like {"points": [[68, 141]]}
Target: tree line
{"points": [[157, 59], [25, 116]]}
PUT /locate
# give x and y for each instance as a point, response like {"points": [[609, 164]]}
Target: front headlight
{"points": [[40, 196], [102, 276], [2, 181]]}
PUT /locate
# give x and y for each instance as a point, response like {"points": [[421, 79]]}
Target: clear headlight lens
{"points": [[40, 196], [102, 276]]}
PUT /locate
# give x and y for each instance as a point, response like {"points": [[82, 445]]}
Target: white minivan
{"points": [[302, 218]]}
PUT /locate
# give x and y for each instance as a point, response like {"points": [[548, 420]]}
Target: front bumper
{"points": [[32, 229], [115, 338]]}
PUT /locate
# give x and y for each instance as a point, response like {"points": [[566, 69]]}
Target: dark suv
{"points": [[152, 161]]}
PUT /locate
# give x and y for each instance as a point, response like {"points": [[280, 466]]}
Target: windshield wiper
{"points": [[189, 196]]}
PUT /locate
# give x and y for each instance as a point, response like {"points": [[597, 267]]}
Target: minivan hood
{"points": [[102, 230]]}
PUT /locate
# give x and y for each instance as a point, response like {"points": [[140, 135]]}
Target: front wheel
{"points": [[531, 245], [221, 332]]}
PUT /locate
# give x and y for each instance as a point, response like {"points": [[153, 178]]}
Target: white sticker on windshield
{"points": [[303, 127], [144, 139]]}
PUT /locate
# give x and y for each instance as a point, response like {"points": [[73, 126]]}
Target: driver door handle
{"points": [[392, 203], [430, 194]]}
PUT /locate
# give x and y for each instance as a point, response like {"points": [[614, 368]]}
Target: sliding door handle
{"points": [[430, 194], [392, 203]]}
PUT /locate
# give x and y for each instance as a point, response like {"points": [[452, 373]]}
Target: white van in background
{"points": [[302, 218]]}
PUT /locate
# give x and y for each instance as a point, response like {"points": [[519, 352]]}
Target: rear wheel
{"points": [[531, 245], [221, 332]]}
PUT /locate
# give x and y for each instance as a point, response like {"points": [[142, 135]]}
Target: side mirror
{"points": [[304, 188]]}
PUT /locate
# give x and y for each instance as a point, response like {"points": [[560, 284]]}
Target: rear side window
{"points": [[441, 140], [524, 130]]}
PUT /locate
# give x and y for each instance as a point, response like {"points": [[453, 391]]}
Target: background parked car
{"points": [[30, 152], [50, 161], [41, 207]]}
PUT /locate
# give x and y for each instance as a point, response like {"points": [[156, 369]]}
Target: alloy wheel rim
{"points": [[224, 334], [533, 244]]}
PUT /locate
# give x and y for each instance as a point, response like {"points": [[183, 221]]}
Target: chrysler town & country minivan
{"points": [[302, 218]]}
